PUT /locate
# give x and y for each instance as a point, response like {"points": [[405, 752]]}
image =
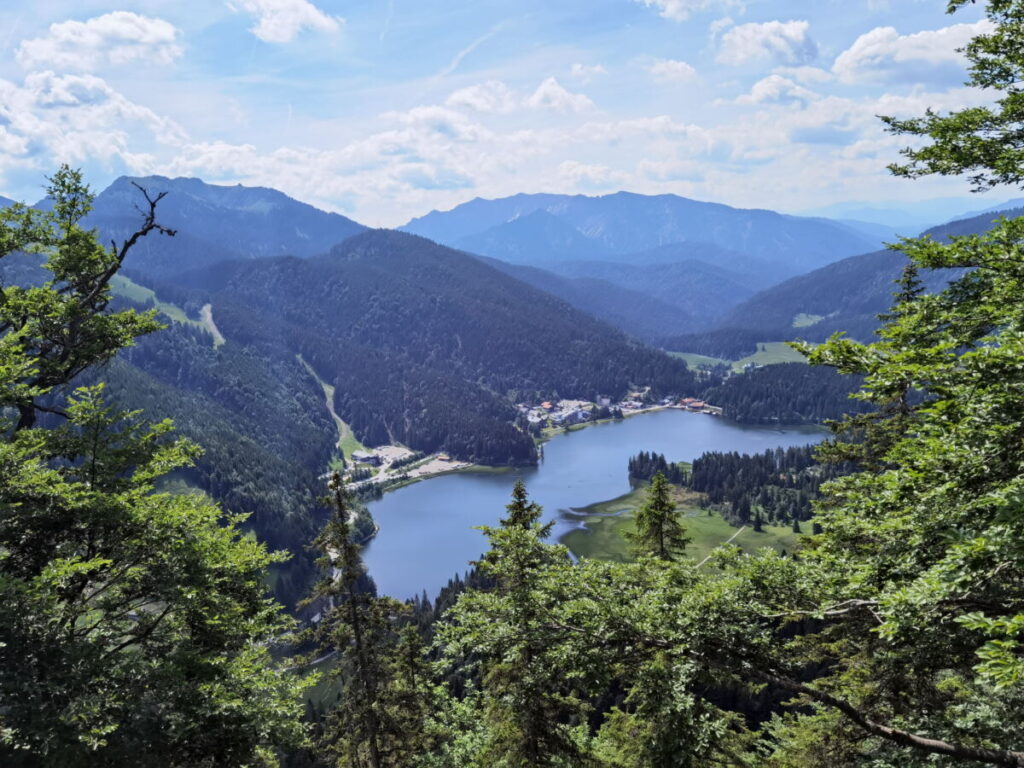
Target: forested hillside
{"points": [[428, 346], [845, 296], [787, 393]]}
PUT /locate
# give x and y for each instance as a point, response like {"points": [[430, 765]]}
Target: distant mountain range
{"points": [[543, 229], [693, 261], [845, 296], [909, 218]]}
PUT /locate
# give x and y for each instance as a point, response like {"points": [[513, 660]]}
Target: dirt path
{"points": [[328, 401], [728, 541]]}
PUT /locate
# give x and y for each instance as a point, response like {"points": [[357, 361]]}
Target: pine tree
{"points": [[658, 530], [360, 628], [528, 706]]}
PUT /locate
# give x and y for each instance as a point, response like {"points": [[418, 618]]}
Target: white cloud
{"points": [[929, 56], [588, 175], [493, 96], [670, 170], [776, 89], [788, 42], [805, 74], [586, 72], [680, 10], [280, 21], [672, 71], [718, 26], [551, 95], [114, 38], [78, 118]]}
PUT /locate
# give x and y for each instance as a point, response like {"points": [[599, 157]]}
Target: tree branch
{"points": [[1006, 758]]}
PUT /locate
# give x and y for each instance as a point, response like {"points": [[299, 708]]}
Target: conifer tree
{"points": [[529, 707], [360, 628], [658, 530]]}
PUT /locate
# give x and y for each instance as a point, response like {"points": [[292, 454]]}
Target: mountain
{"points": [[5, 202], [907, 217], [1009, 205], [845, 296], [635, 313], [426, 345], [538, 238], [625, 223], [479, 215], [875, 230], [694, 286], [215, 223], [740, 265]]}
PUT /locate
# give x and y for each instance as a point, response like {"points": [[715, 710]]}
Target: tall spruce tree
{"points": [[360, 628], [659, 533], [529, 706], [134, 625]]}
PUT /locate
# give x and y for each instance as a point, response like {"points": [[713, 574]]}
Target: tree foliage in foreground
{"points": [[134, 626], [986, 142], [385, 687]]}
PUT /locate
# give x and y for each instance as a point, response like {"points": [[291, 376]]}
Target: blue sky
{"points": [[386, 109]]}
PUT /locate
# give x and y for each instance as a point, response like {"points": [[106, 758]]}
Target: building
{"points": [[364, 457]]}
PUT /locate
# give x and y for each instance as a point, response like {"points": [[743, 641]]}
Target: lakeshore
{"points": [[427, 529]]}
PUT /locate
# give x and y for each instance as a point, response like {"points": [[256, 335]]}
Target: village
{"points": [[389, 466], [566, 413]]}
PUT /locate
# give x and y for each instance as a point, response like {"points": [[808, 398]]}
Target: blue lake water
{"points": [[426, 529]]}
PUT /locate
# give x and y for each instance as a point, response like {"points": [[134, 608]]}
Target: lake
{"points": [[426, 529]]}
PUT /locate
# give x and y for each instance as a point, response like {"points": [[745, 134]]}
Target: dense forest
{"points": [[437, 335], [646, 464], [787, 393], [776, 486]]}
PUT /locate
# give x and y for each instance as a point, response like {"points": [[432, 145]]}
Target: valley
{"points": [[631, 384]]}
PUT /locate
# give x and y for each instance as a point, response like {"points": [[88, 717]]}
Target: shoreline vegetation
{"points": [[603, 525]]}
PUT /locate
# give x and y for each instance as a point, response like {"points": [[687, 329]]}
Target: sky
{"points": [[386, 109]]}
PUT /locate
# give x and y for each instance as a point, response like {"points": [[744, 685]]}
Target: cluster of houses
{"points": [[699, 406], [569, 412], [562, 413]]}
